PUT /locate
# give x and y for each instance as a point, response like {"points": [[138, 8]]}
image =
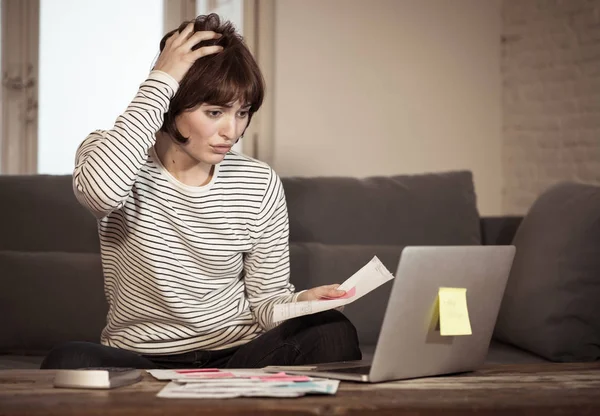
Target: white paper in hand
{"points": [[369, 277]]}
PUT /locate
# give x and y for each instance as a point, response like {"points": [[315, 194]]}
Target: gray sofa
{"points": [[51, 288]]}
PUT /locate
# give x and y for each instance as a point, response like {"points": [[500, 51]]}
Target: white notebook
{"points": [[101, 378]]}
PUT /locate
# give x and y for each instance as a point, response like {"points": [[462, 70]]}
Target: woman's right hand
{"points": [[177, 57]]}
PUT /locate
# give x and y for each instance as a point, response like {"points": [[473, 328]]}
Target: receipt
{"points": [[369, 277]]}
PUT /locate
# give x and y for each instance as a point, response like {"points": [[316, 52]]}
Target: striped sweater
{"points": [[185, 268]]}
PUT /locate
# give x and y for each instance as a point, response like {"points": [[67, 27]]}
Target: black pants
{"points": [[323, 337]]}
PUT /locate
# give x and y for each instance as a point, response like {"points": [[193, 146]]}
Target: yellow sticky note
{"points": [[454, 314]]}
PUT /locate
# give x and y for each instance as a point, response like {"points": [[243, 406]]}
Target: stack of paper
{"points": [[212, 383]]}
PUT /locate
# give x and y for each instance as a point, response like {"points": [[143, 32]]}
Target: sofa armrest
{"points": [[499, 230]]}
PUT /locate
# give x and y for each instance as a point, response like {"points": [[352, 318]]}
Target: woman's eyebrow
{"points": [[230, 105]]}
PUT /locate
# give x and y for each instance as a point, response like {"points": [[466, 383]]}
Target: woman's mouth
{"points": [[221, 149]]}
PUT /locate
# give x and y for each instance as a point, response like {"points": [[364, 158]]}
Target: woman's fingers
{"points": [[322, 292], [177, 56], [206, 50], [199, 37], [170, 39], [331, 291], [184, 35]]}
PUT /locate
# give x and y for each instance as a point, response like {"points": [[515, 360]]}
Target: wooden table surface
{"points": [[540, 389]]}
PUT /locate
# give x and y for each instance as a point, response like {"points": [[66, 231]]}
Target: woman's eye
{"points": [[213, 113], [243, 114]]}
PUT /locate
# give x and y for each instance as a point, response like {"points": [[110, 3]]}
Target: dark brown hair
{"points": [[216, 79]]}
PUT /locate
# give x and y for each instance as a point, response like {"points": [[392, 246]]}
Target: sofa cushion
{"points": [[315, 264], [21, 362], [501, 353], [552, 301], [41, 213], [427, 209], [49, 298]]}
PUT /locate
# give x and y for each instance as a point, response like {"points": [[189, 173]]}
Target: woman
{"points": [[194, 236]]}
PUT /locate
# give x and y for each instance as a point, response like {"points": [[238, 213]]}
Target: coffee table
{"points": [[533, 389]]}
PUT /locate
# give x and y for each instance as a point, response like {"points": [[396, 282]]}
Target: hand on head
{"points": [[179, 54]]}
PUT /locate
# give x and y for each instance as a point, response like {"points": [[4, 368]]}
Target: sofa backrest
{"points": [[51, 285], [41, 213], [499, 231], [423, 209]]}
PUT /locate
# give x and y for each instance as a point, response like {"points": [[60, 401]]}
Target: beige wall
{"points": [[551, 77], [388, 87]]}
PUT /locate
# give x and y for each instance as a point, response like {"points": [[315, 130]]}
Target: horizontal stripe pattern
{"points": [[185, 268]]}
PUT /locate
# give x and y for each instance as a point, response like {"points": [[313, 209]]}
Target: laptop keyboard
{"points": [[365, 369]]}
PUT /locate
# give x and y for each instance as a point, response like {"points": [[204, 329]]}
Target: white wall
{"points": [[93, 57], [551, 78], [389, 87]]}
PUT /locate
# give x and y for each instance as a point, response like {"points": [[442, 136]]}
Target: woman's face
{"points": [[212, 130]]}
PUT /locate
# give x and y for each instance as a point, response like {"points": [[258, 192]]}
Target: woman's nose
{"points": [[228, 128]]}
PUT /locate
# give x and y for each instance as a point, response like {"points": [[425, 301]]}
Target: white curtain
{"points": [[18, 133]]}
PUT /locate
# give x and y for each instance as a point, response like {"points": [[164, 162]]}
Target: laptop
{"points": [[410, 344]]}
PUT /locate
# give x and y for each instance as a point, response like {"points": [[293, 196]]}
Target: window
{"points": [[232, 10], [93, 57]]}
